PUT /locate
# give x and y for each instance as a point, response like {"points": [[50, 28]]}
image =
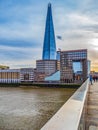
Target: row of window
{"points": [[9, 75]]}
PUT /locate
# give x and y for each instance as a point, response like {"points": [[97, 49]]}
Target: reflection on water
{"points": [[30, 108]]}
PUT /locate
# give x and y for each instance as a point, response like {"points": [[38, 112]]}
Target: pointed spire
{"points": [[49, 47], [49, 4]]}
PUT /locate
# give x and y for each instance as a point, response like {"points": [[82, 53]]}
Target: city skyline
{"points": [[22, 25]]}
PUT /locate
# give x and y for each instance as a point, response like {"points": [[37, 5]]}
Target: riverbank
{"points": [[50, 85]]}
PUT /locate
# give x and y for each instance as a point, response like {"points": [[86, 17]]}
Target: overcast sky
{"points": [[22, 26]]}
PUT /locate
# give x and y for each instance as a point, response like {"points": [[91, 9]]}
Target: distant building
{"points": [[89, 67], [47, 67], [54, 77], [39, 76], [69, 73], [10, 76], [27, 75], [49, 46], [22, 75]]}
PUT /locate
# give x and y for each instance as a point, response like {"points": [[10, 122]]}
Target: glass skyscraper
{"points": [[49, 46], [48, 65]]}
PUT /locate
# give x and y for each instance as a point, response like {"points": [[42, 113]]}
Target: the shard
{"points": [[49, 46]]}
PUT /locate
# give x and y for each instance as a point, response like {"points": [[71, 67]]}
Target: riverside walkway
{"points": [[92, 108]]}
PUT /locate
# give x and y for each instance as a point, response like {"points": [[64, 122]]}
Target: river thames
{"points": [[30, 108]]}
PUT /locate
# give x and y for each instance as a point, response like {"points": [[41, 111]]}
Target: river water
{"points": [[30, 108]]}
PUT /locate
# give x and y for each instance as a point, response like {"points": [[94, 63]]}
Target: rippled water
{"points": [[30, 108]]}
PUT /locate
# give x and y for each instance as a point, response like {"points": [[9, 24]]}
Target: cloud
{"points": [[20, 31], [81, 19], [20, 64], [18, 20], [22, 25], [14, 55], [79, 31]]}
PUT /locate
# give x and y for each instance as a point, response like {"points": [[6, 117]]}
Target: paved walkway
{"points": [[92, 108]]}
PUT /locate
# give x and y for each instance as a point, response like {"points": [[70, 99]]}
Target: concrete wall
{"points": [[69, 116]]}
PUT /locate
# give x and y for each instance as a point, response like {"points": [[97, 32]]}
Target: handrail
{"points": [[69, 115]]}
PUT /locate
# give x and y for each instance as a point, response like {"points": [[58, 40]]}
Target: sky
{"points": [[22, 27]]}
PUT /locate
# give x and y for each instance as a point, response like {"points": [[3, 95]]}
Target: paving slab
{"points": [[92, 108]]}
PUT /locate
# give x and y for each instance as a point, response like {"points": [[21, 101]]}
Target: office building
{"points": [[73, 65], [39, 76], [47, 67], [17, 75], [49, 46], [10, 76], [27, 75]]}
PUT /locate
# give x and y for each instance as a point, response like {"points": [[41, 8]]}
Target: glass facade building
{"points": [[49, 46]]}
